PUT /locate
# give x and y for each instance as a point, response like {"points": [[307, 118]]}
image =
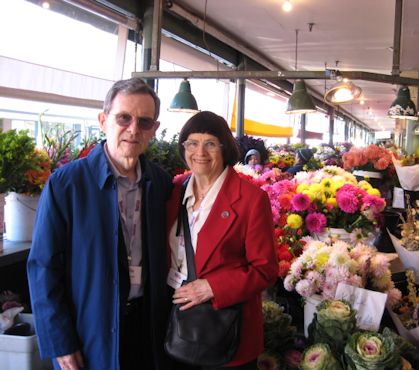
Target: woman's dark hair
{"points": [[131, 86], [210, 123]]}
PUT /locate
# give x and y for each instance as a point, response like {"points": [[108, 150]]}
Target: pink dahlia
{"points": [[347, 201], [300, 202], [374, 202], [315, 222]]}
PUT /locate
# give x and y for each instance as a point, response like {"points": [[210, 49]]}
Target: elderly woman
{"points": [[231, 230]]}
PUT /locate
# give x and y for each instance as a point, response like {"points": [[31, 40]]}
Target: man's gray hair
{"points": [[131, 86]]}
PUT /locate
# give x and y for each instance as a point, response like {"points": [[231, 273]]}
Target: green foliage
{"points": [[278, 332], [166, 154], [16, 158]]}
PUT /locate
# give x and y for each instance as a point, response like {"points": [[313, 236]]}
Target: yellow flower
{"points": [[364, 185], [374, 191], [321, 259], [302, 187], [332, 202], [294, 221]]}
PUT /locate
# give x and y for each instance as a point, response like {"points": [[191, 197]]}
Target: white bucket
{"points": [[19, 216], [309, 310]]}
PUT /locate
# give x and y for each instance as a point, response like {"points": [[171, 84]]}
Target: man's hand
{"points": [[73, 361]]}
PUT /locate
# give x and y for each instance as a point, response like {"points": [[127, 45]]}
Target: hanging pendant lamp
{"points": [[403, 107], [184, 101], [342, 92], [300, 101]]}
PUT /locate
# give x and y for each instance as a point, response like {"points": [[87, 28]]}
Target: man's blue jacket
{"points": [[73, 263]]}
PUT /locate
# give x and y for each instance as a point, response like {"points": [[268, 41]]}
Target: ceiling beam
{"points": [[281, 75]]}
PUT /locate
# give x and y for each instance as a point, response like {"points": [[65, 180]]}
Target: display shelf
{"points": [[13, 252]]}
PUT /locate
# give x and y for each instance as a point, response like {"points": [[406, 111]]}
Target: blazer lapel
{"points": [[219, 221]]}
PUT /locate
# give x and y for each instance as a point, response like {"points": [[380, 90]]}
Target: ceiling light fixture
{"points": [[287, 6], [344, 91], [300, 101], [184, 101], [403, 107]]}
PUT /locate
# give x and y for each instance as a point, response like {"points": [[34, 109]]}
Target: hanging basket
{"points": [[19, 216]]}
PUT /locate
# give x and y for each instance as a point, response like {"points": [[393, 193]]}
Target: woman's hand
{"points": [[191, 294]]}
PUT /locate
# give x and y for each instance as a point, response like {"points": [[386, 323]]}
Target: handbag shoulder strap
{"points": [[190, 254], [184, 221]]}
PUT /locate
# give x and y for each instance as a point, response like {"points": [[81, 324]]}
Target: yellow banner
{"points": [[258, 128]]}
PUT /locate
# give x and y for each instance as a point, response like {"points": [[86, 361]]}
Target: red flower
{"points": [[283, 268], [283, 252]]}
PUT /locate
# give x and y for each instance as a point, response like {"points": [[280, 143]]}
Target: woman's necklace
{"points": [[202, 195]]}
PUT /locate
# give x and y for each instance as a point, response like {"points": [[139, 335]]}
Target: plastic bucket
{"points": [[19, 216]]}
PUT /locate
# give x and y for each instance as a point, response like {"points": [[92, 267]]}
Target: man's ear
{"points": [[156, 127], [102, 121]]}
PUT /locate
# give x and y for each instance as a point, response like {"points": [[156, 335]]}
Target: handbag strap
{"points": [[190, 254]]}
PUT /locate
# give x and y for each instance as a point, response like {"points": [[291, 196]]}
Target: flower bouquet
{"points": [[321, 267], [332, 198], [407, 169], [405, 312], [408, 246], [370, 159]]}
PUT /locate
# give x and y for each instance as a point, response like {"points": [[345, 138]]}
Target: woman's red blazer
{"points": [[236, 254]]}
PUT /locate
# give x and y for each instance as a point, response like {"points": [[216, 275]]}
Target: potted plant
{"points": [[23, 172]]}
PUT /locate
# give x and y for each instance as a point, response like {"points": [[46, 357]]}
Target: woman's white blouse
{"points": [[196, 221]]}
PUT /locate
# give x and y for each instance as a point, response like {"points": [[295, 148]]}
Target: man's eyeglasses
{"points": [[210, 146], [125, 120]]}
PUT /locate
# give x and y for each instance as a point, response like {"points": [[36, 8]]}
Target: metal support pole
{"points": [[346, 130], [397, 37], [303, 118], [241, 88], [331, 125], [152, 38], [241, 92]]}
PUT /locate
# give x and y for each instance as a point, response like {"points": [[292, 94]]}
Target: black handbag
{"points": [[201, 335]]}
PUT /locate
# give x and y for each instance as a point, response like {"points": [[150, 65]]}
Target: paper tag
{"points": [[368, 303], [398, 198], [135, 275], [175, 278]]}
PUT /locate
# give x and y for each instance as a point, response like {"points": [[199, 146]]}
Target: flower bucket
{"points": [[309, 310], [19, 215], [333, 233], [410, 259]]}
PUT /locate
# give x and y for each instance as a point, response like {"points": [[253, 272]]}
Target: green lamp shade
{"points": [[300, 101], [184, 101], [403, 107]]}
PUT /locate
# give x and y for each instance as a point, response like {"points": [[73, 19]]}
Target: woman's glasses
{"points": [[210, 146], [125, 120]]}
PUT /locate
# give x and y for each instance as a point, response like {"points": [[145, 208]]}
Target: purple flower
{"points": [[300, 202], [315, 222], [347, 201]]}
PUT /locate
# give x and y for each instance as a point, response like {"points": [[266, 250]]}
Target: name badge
{"points": [[175, 278], [135, 274]]}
